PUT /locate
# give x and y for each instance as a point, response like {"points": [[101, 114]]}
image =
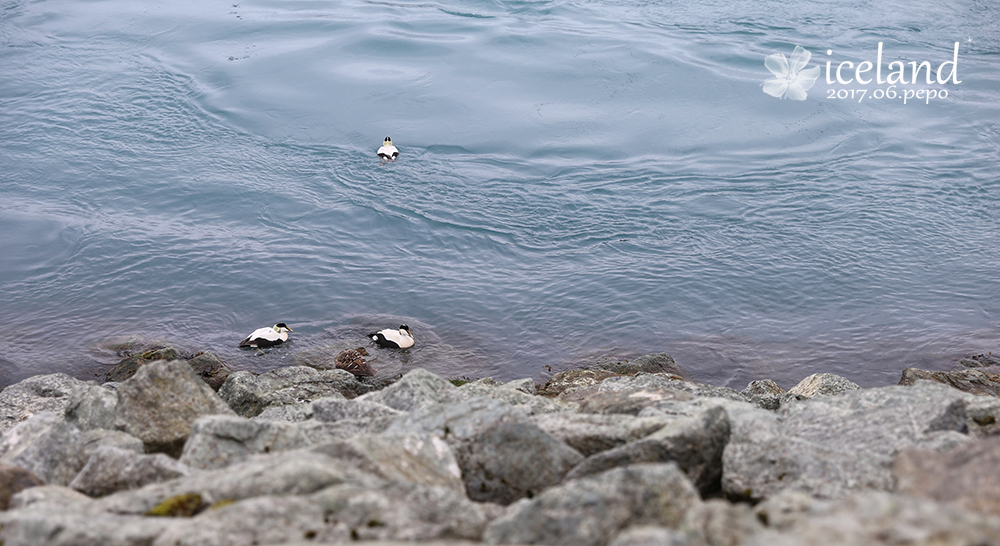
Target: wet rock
{"points": [[293, 413], [591, 433], [879, 518], [335, 409], [651, 363], [50, 393], [764, 393], [91, 406], [591, 510], [525, 385], [248, 394], [981, 361], [415, 458], [95, 438], [46, 445], [830, 446], [971, 380], [695, 444], [111, 469], [13, 480], [822, 384], [965, 476], [161, 402], [211, 369], [416, 389], [573, 379], [503, 457], [129, 365]]}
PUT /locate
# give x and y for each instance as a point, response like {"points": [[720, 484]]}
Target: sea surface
{"points": [[578, 180]]}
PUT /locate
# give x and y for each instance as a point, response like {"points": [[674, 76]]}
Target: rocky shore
{"points": [[179, 450]]}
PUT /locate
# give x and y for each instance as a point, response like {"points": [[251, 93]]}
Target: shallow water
{"points": [[576, 178]]}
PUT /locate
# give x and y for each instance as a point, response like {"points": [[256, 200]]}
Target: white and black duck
{"points": [[393, 338], [388, 152], [267, 337]]}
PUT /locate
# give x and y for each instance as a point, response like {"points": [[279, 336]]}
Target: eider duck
{"points": [[266, 337], [393, 339], [388, 152], [352, 360]]}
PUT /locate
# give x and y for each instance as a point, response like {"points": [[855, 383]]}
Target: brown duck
{"points": [[352, 360]]}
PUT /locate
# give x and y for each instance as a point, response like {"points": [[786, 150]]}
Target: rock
{"points": [[764, 393], [296, 472], [830, 446], [983, 415], [573, 379], [503, 457], [526, 385], [95, 438], [879, 518], [591, 433], [46, 445], [416, 389], [651, 363], [822, 384], [91, 406], [625, 401], [248, 394], [129, 365], [645, 535], [13, 480], [695, 444], [980, 361], [111, 469], [52, 495], [292, 413], [401, 511], [211, 369], [161, 402], [46, 524], [970, 380], [591, 510], [415, 458], [664, 382], [528, 403], [51, 393], [965, 476], [717, 522], [335, 409]]}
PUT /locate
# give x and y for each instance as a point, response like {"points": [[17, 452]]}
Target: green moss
{"points": [[180, 506], [459, 381]]}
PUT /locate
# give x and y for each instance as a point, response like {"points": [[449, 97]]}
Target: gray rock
{"points": [[211, 369], [47, 524], [877, 519], [248, 394], [981, 361], [161, 402], [416, 389], [58, 496], [823, 384], [503, 457], [717, 522], [592, 510], [98, 437], [46, 445], [695, 444], [570, 380], [665, 382], [970, 380], [13, 480], [112, 469], [591, 433], [334, 409], [217, 441], [645, 535], [983, 415], [626, 401], [526, 385], [417, 458], [764, 393], [293, 413], [296, 472], [651, 363], [965, 476], [91, 406], [830, 446], [51, 393], [528, 403], [128, 366]]}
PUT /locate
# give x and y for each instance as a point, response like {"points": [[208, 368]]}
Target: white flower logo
{"points": [[790, 81]]}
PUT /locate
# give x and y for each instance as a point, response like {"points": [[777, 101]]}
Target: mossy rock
{"points": [[184, 505]]}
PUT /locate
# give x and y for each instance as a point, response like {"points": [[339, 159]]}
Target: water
{"points": [[577, 178]]}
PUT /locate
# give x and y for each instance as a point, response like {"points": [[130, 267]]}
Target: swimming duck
{"points": [[352, 360], [266, 337], [388, 152], [393, 339]]}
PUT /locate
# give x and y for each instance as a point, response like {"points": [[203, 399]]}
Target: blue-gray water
{"points": [[577, 178]]}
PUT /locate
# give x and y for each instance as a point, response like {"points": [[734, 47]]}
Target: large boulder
{"points": [[51, 393], [161, 402], [92, 406], [591, 433], [417, 389], [46, 445], [111, 469], [966, 475], [249, 394], [417, 458], [592, 510], [970, 380], [830, 446]]}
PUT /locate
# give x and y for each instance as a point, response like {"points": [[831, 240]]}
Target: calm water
{"points": [[576, 178]]}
